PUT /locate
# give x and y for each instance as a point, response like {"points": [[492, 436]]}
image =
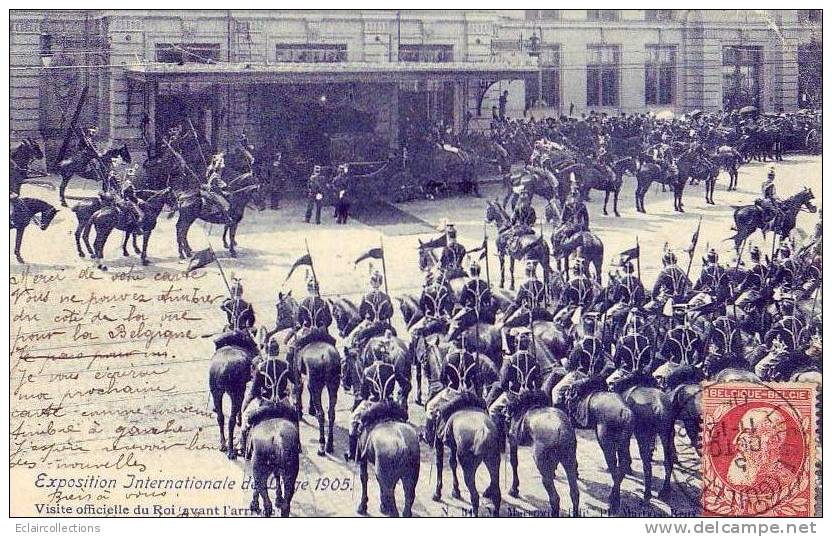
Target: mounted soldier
{"points": [[529, 304], [580, 290], [314, 318], [756, 277], [769, 204], [272, 381], [713, 279], [89, 154], [239, 313], [476, 302], [436, 303], [682, 345], [214, 187], [785, 269], [377, 385], [460, 372], [574, 211], [520, 373], [452, 256], [672, 280], [375, 312]]}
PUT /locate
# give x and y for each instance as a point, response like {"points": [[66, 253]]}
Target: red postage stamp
{"points": [[759, 449]]}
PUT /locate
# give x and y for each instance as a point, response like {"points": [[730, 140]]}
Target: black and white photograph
{"points": [[415, 262]]}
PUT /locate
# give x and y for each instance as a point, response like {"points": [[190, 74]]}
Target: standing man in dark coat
{"points": [[315, 194]]}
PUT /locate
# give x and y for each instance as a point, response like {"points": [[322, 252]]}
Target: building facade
{"points": [[355, 82]]}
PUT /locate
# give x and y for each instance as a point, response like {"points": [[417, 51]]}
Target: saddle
{"points": [[380, 412], [632, 380], [518, 432], [684, 374], [236, 338], [578, 397], [273, 410], [307, 336], [794, 364], [463, 400]]}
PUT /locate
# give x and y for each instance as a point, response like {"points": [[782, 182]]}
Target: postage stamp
{"points": [[759, 455]]}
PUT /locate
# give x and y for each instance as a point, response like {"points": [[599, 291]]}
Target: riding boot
{"points": [[429, 434], [353, 447], [346, 381]]}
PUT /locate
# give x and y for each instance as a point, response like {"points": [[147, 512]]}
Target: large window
{"points": [[543, 15], [810, 15], [658, 14], [741, 76], [426, 53], [602, 75], [660, 75], [187, 52], [549, 77], [606, 15], [311, 53], [810, 75]]}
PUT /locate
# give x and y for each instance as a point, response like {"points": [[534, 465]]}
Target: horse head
{"points": [[345, 314], [805, 198], [47, 216], [287, 309], [427, 260], [493, 212]]}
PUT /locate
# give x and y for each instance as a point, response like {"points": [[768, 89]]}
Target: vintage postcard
{"points": [[403, 262]]}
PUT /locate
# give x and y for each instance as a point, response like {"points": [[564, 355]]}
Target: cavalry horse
{"points": [[652, 173], [20, 158], [229, 372], [750, 218], [192, 206], [471, 437], [569, 238], [608, 181], [25, 211], [274, 444], [67, 169], [391, 445], [346, 315], [697, 168], [529, 246], [320, 362], [107, 218]]}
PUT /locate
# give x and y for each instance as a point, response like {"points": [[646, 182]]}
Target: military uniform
{"points": [[460, 371], [377, 384], [239, 314], [271, 382], [683, 346], [673, 280], [314, 195], [580, 291], [451, 259], [529, 302], [436, 303], [375, 312], [314, 318], [477, 305], [519, 373]]}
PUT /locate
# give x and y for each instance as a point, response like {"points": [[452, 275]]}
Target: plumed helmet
{"points": [[237, 287], [531, 268], [580, 264], [451, 231], [771, 173], [312, 285], [712, 256], [784, 250], [273, 347], [474, 268], [376, 279], [669, 258], [628, 267], [755, 253]]}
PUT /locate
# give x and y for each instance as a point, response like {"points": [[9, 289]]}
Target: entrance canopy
{"points": [[314, 73]]}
